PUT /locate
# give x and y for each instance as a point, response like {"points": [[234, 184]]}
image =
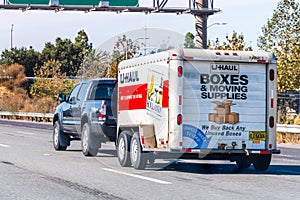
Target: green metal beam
{"points": [[75, 2]]}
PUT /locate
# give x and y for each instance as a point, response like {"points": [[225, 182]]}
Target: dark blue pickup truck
{"points": [[88, 114]]}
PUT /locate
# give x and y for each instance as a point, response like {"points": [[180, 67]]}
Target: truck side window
{"points": [[73, 94], [82, 92]]}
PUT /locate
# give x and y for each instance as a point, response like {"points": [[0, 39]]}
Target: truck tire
{"points": [[137, 156], [123, 149], [243, 162], [90, 144], [262, 162], [58, 136]]}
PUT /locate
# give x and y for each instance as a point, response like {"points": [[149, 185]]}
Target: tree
{"points": [[50, 81], [281, 35], [189, 41], [235, 42], [29, 58], [70, 55], [95, 65], [124, 49]]}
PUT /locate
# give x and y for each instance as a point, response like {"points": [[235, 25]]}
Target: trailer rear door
{"points": [[224, 105]]}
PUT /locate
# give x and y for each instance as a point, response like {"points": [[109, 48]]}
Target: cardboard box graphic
{"points": [[233, 118], [212, 116], [224, 114]]}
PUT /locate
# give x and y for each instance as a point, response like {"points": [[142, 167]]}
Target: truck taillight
{"points": [[271, 122], [179, 119], [102, 113], [180, 71]]}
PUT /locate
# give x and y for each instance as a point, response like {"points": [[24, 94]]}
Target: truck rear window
{"points": [[102, 92]]}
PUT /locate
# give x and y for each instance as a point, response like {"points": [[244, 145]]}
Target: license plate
{"points": [[257, 135]]}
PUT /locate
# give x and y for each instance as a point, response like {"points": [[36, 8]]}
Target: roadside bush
{"points": [[12, 101], [288, 138], [45, 105]]}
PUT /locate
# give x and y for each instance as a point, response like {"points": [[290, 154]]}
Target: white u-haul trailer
{"points": [[215, 104]]}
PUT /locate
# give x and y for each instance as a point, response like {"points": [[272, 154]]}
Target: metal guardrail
{"points": [[41, 117], [287, 128]]}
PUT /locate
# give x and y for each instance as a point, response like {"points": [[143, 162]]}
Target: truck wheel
{"points": [[137, 156], [58, 136], [262, 162], [123, 149], [87, 140], [243, 162]]}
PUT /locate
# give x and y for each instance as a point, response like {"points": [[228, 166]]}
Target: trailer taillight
{"points": [[179, 119], [272, 103], [272, 75], [271, 122], [180, 71], [102, 113], [180, 100]]}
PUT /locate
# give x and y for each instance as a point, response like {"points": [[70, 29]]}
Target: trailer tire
{"points": [[243, 162], [90, 144], [262, 162], [123, 149], [137, 156], [151, 157], [58, 136]]}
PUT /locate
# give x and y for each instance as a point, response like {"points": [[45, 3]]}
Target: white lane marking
{"points": [[138, 176], [288, 156], [25, 133], [4, 145], [287, 171]]}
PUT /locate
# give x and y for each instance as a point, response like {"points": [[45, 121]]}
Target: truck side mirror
{"points": [[62, 98]]}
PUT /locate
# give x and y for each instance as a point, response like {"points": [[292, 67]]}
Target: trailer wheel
{"points": [[123, 149], [243, 162], [137, 156], [151, 157], [89, 143], [262, 162], [58, 136]]}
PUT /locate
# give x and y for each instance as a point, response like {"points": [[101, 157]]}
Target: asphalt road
{"points": [[31, 169]]}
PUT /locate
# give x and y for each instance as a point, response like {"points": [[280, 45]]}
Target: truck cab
{"points": [[86, 114]]}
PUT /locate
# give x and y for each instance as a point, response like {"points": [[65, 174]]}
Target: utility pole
{"points": [[201, 25], [11, 36]]}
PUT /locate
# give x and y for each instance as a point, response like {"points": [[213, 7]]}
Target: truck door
{"points": [[68, 122], [77, 107]]}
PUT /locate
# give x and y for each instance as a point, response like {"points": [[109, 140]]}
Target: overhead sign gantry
{"points": [[201, 9]]}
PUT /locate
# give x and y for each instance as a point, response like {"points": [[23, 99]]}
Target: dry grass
{"points": [[18, 101]]}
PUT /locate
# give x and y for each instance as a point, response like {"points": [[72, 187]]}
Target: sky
{"points": [[35, 28]]}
